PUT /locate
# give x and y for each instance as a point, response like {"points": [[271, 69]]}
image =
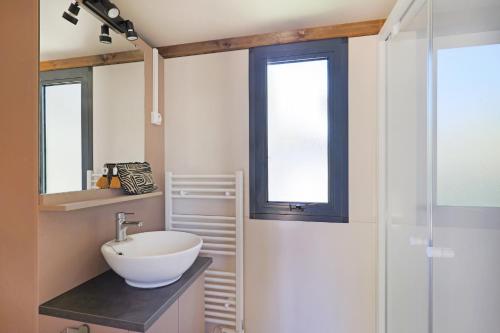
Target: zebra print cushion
{"points": [[136, 178]]}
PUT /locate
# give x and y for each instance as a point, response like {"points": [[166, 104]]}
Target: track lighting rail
{"points": [[107, 13]]}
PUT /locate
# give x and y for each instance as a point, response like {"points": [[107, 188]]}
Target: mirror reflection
{"points": [[90, 115]]}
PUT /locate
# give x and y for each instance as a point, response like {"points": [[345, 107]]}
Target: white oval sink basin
{"points": [[152, 259]]}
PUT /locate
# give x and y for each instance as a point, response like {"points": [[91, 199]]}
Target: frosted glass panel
{"points": [[468, 123], [298, 131], [407, 267], [63, 138]]}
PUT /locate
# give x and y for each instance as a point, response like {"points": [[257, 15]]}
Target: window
{"points": [[65, 129], [298, 131]]}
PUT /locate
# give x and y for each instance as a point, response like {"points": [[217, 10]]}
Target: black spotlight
{"points": [[70, 18], [111, 10], [130, 33], [74, 8], [73, 12], [104, 36]]}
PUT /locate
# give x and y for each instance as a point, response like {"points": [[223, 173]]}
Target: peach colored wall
{"points": [[69, 243], [299, 276], [18, 167]]}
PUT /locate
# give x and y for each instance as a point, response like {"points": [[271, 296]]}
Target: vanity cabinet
{"points": [[47, 324], [192, 308], [185, 315], [168, 322]]}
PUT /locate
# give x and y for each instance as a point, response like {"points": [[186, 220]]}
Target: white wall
{"points": [[118, 113], [299, 276]]}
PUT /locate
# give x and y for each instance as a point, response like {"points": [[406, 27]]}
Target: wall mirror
{"points": [[91, 109]]}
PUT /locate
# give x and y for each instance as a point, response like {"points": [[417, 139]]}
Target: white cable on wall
{"points": [[155, 113]]}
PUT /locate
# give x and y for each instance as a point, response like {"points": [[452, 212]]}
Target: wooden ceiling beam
{"points": [[356, 29], [238, 43], [94, 60]]}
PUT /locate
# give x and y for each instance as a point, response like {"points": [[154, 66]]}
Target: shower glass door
{"points": [[407, 195], [442, 160], [466, 211]]}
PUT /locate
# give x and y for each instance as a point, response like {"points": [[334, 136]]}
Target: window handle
{"points": [[297, 207]]}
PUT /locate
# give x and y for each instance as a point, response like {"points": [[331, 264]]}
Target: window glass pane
{"points": [[298, 131], [63, 138], [468, 123]]}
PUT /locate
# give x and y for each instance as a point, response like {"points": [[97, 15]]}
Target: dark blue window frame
{"points": [[337, 208], [83, 76]]}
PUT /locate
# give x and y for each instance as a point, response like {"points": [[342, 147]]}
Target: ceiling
{"points": [[168, 22]]}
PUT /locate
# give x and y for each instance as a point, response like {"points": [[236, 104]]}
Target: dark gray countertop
{"points": [[107, 300]]}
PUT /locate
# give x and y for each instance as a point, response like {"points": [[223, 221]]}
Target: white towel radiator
{"points": [[222, 236]]}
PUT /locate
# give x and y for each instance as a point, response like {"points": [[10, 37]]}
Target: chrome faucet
{"points": [[122, 224]]}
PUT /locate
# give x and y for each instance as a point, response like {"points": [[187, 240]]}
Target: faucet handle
{"points": [[121, 215], [133, 223]]}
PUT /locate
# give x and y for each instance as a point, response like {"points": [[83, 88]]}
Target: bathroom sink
{"points": [[152, 259]]}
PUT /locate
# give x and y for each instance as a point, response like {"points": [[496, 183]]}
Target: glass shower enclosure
{"points": [[440, 221]]}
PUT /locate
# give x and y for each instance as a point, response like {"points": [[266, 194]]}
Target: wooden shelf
{"points": [[66, 206]]}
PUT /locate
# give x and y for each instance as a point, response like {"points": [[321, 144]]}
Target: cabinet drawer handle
{"points": [[82, 329]]}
